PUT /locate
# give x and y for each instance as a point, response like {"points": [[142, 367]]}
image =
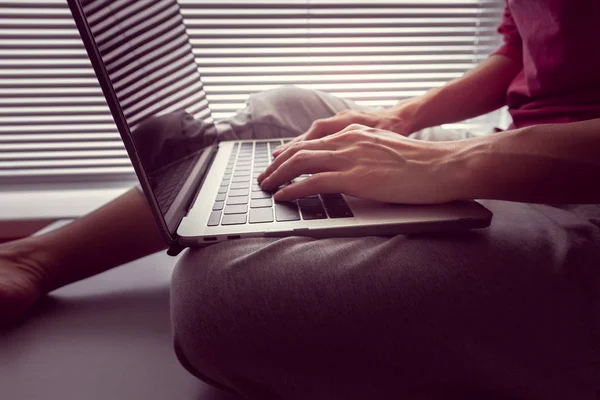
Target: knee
{"points": [[213, 312], [284, 96], [195, 317], [290, 107]]}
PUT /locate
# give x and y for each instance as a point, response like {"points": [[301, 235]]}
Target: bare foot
{"points": [[22, 281]]}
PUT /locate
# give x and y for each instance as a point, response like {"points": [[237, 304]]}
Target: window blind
{"points": [[55, 125]]}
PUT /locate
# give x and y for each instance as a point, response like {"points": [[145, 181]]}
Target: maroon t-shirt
{"points": [[557, 42]]}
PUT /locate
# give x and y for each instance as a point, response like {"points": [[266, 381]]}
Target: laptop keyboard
{"points": [[240, 199]]}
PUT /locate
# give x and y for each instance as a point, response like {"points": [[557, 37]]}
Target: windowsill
{"points": [[55, 203]]}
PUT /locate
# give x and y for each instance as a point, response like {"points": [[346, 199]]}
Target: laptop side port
{"points": [[233, 237], [210, 239]]}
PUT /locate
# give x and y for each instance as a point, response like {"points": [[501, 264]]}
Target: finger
{"points": [[325, 182], [308, 145], [280, 149], [322, 127], [303, 162]]}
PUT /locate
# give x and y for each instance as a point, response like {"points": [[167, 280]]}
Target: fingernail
{"points": [[278, 149], [279, 194], [262, 184]]}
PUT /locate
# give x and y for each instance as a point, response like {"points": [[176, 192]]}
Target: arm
{"points": [[557, 163], [554, 163], [479, 91]]}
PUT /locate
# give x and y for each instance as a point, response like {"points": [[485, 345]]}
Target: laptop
{"points": [[203, 190]]}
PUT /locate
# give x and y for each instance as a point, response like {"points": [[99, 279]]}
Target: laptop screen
{"points": [[161, 104]]}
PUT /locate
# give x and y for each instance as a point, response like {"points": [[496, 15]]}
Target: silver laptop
{"points": [[201, 190]]}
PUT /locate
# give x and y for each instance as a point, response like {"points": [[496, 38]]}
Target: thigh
{"points": [[510, 311], [283, 112]]}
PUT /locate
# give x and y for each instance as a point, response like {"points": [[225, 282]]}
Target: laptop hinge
{"points": [[175, 248]]}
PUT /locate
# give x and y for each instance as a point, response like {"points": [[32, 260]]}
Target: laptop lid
{"points": [[145, 65]]}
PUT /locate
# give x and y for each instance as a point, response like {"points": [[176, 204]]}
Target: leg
{"points": [[118, 232], [283, 112], [507, 312]]}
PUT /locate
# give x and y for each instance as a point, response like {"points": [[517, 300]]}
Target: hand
{"points": [[22, 282], [396, 119], [368, 163]]}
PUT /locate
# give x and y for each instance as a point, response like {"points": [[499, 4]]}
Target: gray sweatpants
{"points": [[508, 312]]}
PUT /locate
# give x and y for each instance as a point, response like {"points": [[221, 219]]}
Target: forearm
{"points": [[479, 91], [555, 163], [119, 232]]}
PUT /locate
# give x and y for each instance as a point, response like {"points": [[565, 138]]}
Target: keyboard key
{"points": [[261, 195], [332, 196], [238, 179], [237, 209], [286, 212], [260, 203], [234, 219], [256, 187], [240, 185], [214, 218], [218, 205], [225, 182], [231, 201], [220, 197], [342, 212], [238, 192], [223, 189], [309, 202], [335, 202], [261, 215], [313, 212], [245, 174]]}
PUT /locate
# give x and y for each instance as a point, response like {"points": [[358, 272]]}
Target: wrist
{"points": [[464, 169], [411, 112]]}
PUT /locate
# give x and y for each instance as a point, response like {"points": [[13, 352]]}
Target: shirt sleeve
{"points": [[513, 44]]}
